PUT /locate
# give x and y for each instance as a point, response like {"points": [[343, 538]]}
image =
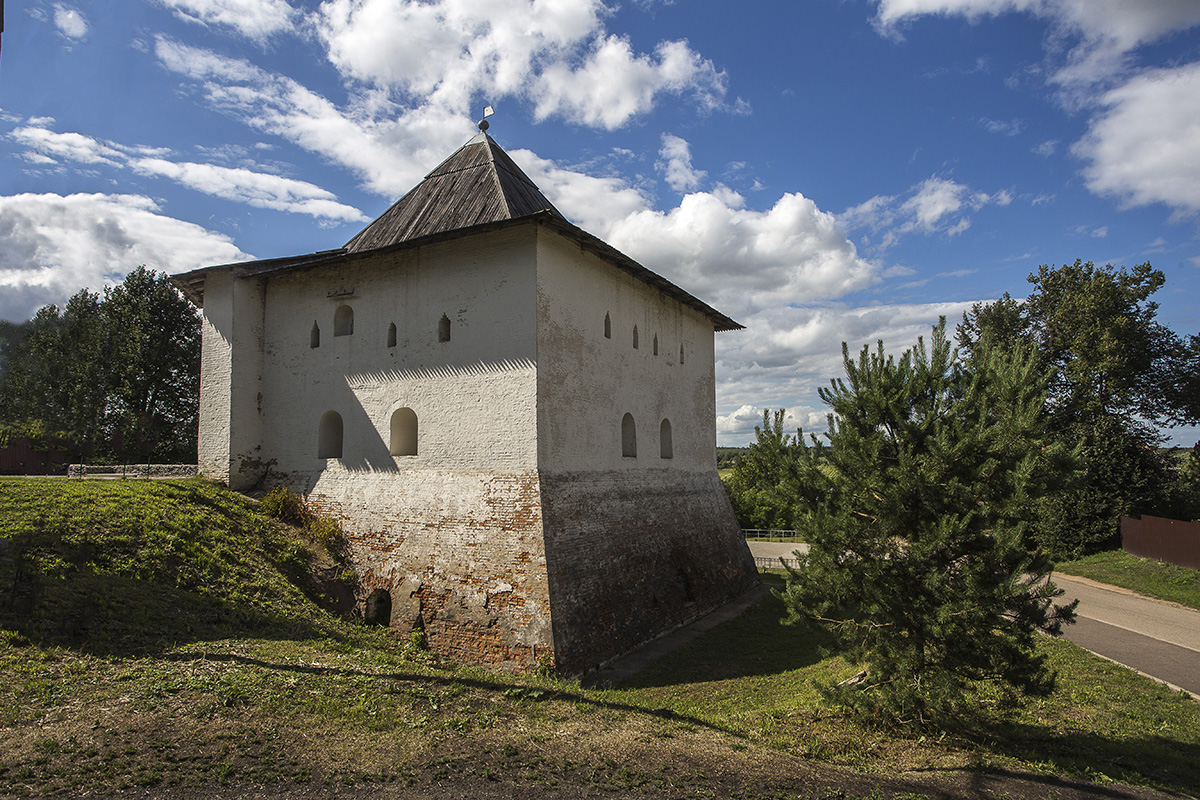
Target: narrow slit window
{"points": [[635, 338], [607, 327], [343, 321], [628, 437], [680, 354], [656, 344], [404, 432], [444, 329], [314, 336], [666, 448], [329, 435], [391, 337]]}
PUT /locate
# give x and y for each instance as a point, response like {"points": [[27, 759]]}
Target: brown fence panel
{"points": [[21, 458], [1170, 540]]}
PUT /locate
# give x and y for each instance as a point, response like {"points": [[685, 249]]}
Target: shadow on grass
{"points": [[507, 688], [1057, 756], [753, 644], [127, 569], [108, 615], [1157, 759]]}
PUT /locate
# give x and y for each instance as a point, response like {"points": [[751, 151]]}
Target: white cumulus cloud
{"points": [[1108, 28], [254, 19], [553, 53], [594, 203], [743, 260], [615, 85], [1127, 23], [736, 428], [1145, 146], [51, 245], [786, 353], [937, 205], [675, 163], [388, 148], [253, 188], [45, 146]]}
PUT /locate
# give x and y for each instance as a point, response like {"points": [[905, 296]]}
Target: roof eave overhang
{"points": [[602, 249], [192, 283]]}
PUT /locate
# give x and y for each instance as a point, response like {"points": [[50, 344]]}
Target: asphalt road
{"points": [[1156, 638]]}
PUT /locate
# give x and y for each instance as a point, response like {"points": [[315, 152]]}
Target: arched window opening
{"points": [[656, 344], [314, 336], [444, 329], [391, 340], [329, 436], [635, 341], [680, 354], [404, 432], [628, 437], [607, 327], [685, 585], [343, 321], [665, 447], [378, 610]]}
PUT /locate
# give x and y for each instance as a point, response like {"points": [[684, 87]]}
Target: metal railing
{"points": [[769, 562], [769, 534]]}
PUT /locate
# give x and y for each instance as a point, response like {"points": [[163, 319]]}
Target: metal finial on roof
{"points": [[483, 123]]}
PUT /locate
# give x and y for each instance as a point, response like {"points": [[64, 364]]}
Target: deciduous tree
{"points": [[115, 375], [1115, 375], [762, 488]]}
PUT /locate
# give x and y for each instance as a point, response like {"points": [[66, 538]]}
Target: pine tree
{"points": [[917, 562]]}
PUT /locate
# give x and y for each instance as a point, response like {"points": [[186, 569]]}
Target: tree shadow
{"points": [[1158, 759]]}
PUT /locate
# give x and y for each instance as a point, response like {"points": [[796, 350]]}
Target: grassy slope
{"points": [[166, 640], [1141, 575]]}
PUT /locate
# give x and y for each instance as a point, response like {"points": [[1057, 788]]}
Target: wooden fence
{"points": [[1170, 540]]}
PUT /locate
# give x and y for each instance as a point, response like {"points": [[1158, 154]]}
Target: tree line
{"points": [[109, 376], [949, 478], [1113, 378]]}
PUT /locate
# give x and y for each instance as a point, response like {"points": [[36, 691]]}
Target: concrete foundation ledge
{"points": [[132, 470]]}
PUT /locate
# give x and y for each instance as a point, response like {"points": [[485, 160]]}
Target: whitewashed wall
{"points": [[587, 383], [231, 360], [473, 395]]}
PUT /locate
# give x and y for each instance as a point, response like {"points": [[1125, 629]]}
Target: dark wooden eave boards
{"points": [[476, 190]]}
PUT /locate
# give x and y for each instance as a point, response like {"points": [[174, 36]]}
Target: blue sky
{"points": [[820, 170]]}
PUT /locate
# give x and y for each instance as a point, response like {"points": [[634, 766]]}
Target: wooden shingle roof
{"points": [[477, 189], [477, 185]]}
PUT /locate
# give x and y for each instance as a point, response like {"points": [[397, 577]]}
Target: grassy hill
{"points": [[125, 568], [172, 636]]}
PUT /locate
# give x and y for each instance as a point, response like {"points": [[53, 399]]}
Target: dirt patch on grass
{"points": [[556, 755]]}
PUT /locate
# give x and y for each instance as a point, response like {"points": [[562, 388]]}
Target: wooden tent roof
{"points": [[477, 189], [477, 185]]}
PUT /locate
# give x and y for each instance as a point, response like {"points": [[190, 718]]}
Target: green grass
{"points": [[1141, 575], [160, 634], [125, 567], [754, 678]]}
